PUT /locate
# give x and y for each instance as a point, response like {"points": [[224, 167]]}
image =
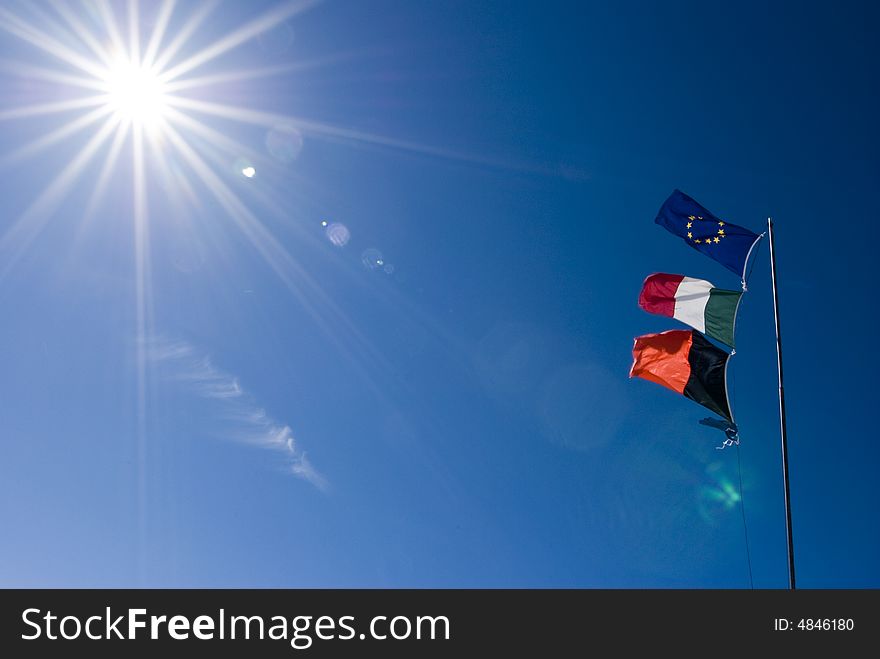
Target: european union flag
{"points": [[727, 243]]}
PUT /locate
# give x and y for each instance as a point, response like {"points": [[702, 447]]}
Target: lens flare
{"points": [[372, 258], [338, 234], [284, 143]]}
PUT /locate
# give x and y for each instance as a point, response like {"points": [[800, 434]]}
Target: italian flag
{"points": [[688, 364], [695, 302]]}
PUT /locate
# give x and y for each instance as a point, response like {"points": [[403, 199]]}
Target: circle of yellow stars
{"points": [[708, 240]]}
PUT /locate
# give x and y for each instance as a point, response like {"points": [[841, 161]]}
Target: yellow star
{"points": [[697, 241], [720, 232], [699, 217], [691, 217], [690, 235], [717, 239], [721, 224], [690, 224]]}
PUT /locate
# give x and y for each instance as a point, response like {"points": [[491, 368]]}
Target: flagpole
{"points": [[782, 428]]}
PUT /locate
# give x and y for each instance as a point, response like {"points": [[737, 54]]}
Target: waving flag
{"points": [[694, 302], [687, 363], [727, 243]]}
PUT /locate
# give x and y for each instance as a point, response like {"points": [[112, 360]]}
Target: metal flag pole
{"points": [[782, 429]]}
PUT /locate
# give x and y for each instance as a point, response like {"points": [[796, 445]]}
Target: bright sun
{"points": [[135, 92]]}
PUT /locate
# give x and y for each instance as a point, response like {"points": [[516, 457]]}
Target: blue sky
{"points": [[204, 385]]}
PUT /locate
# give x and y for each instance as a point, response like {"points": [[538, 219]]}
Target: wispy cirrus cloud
{"points": [[246, 421]]}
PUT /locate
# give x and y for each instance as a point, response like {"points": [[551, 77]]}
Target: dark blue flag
{"points": [[727, 243]]}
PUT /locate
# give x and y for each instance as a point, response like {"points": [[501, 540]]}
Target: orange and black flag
{"points": [[686, 362]]}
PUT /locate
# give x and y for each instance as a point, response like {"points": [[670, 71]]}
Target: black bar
{"points": [[540, 623], [782, 427]]}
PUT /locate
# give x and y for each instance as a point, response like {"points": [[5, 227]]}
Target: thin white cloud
{"points": [[302, 468], [196, 374]]}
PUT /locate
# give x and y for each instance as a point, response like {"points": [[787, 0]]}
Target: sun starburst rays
{"points": [[135, 92], [151, 111], [139, 107], [28, 225], [133, 80], [103, 78], [132, 98], [132, 90]]}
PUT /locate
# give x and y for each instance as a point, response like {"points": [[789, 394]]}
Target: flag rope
{"points": [[745, 277], [729, 442], [742, 507]]}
